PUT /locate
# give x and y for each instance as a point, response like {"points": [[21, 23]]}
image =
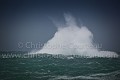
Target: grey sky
{"points": [[31, 21]]}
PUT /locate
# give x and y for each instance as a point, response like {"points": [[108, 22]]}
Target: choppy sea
{"points": [[47, 68]]}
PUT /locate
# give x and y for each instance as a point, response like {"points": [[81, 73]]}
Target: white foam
{"points": [[74, 78]]}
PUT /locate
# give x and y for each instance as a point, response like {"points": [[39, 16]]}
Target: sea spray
{"points": [[74, 40]]}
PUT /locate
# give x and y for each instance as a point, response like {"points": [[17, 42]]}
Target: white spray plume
{"points": [[74, 40]]}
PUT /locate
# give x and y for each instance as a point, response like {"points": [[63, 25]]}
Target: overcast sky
{"points": [[32, 21]]}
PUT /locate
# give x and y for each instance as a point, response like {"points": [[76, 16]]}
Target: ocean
{"points": [[50, 68]]}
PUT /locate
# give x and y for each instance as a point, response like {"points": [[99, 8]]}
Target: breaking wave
{"points": [[71, 39]]}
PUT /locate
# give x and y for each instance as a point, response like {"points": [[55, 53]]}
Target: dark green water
{"points": [[59, 69]]}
